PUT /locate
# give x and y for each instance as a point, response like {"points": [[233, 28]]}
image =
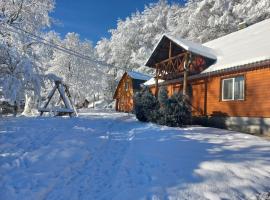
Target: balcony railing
{"points": [[173, 67]]}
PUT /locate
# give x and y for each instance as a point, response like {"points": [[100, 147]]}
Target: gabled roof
{"points": [[162, 48], [246, 46], [193, 47], [242, 47], [138, 79]]}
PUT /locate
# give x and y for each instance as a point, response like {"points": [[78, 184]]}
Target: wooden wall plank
{"points": [[257, 95]]}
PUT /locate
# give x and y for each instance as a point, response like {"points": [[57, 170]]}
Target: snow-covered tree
{"points": [[134, 38], [204, 20], [25, 62], [19, 70], [83, 76]]}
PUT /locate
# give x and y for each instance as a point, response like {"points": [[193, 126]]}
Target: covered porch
{"points": [[177, 59]]}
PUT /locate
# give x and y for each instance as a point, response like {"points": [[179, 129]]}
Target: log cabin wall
{"points": [[124, 96], [206, 95], [256, 101]]}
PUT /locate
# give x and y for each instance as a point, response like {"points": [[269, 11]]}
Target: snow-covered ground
{"points": [[107, 155]]}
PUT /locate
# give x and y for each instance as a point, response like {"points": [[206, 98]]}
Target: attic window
{"points": [[126, 86], [233, 88]]}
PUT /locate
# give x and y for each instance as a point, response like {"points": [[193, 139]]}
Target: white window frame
{"points": [[233, 85], [126, 86]]}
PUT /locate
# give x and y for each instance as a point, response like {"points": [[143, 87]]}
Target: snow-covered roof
{"points": [[138, 75], [245, 46], [152, 81], [161, 49], [242, 47], [193, 47], [138, 79]]}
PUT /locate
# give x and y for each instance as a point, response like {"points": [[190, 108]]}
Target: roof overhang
{"points": [[235, 69], [161, 50], [134, 76]]}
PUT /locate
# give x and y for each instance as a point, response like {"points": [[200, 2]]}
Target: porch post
{"points": [[185, 75], [156, 90], [188, 60], [170, 50], [205, 97], [117, 105]]}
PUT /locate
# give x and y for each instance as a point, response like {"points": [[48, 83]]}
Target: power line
{"points": [[56, 46], [65, 51]]}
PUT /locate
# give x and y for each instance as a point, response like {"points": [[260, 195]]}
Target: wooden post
{"points": [[188, 60], [116, 104], [185, 75], [50, 96], [205, 97], [63, 91], [15, 109], [156, 90], [70, 100], [94, 101], [170, 50]]}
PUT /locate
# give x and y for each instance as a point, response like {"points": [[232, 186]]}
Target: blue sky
{"points": [[93, 18]]}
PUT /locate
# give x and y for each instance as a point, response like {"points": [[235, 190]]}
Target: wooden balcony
{"points": [[173, 67]]}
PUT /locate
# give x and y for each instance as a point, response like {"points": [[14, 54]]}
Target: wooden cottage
{"points": [[227, 79], [127, 86]]}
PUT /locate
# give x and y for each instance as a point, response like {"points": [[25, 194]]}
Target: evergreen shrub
{"points": [[146, 106], [171, 111]]}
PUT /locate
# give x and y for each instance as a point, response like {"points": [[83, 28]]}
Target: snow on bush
{"points": [[146, 106], [175, 112], [171, 111]]}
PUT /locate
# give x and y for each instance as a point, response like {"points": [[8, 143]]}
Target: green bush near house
{"points": [[216, 120], [171, 111], [146, 106]]}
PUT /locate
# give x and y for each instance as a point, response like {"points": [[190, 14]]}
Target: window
{"points": [[176, 89], [126, 86], [233, 88]]}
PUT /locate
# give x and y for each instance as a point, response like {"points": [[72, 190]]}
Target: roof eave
{"points": [[244, 67], [181, 45]]}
